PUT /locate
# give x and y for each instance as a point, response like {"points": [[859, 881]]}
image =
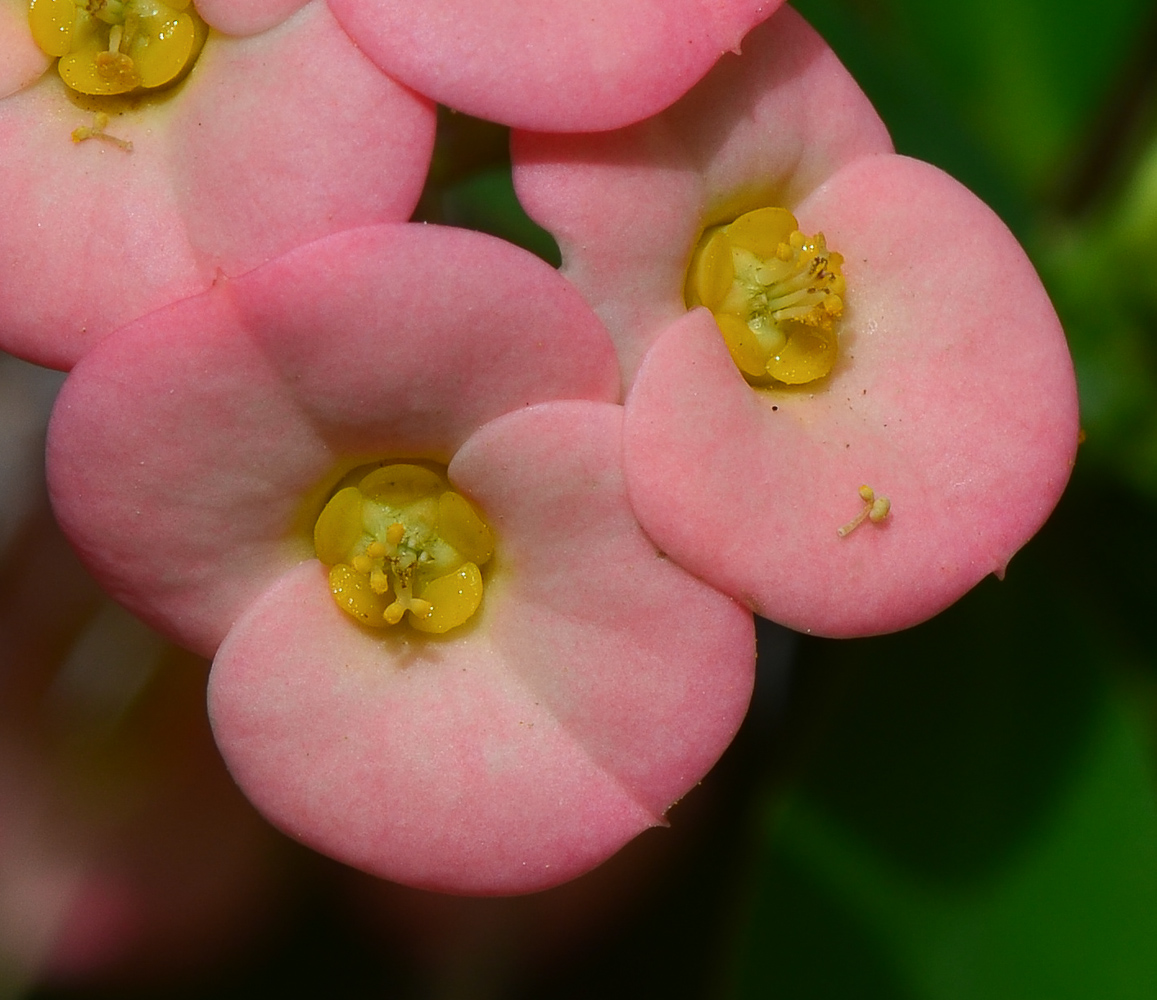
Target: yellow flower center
{"points": [[109, 47], [775, 293], [402, 542]]}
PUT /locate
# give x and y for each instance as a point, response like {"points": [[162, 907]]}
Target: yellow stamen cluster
{"points": [[775, 294], [401, 541], [109, 47], [875, 510]]}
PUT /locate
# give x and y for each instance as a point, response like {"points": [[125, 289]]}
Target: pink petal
{"points": [[246, 17], [598, 685], [169, 472], [185, 448], [21, 61], [954, 397], [428, 333], [272, 141], [554, 65], [627, 207]]}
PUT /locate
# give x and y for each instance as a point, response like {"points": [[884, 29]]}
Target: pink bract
{"points": [[954, 394], [21, 62], [274, 139], [246, 17], [557, 65], [626, 207], [202, 432], [596, 685]]}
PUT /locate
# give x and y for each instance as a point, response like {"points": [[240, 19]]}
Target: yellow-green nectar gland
{"points": [[402, 543], [776, 295], [110, 47], [875, 509]]}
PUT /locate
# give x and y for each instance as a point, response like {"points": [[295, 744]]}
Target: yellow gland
{"points": [[401, 542], [109, 47], [775, 293]]}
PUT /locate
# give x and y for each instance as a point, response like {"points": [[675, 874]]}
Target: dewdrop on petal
{"points": [[402, 543], [776, 295]]}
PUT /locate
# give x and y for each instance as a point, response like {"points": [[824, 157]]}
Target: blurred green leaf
{"points": [[889, 59], [951, 740], [1097, 270], [1074, 916], [1024, 82], [978, 818]]}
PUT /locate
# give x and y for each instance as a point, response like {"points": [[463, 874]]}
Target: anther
{"points": [[96, 131], [875, 510]]}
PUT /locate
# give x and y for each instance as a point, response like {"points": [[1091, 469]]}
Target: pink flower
{"points": [[191, 452], [562, 65], [279, 135], [952, 392]]}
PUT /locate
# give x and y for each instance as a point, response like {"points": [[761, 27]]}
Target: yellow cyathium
{"points": [[402, 542], [110, 47], [775, 293]]}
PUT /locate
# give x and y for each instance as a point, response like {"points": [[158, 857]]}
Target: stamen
{"points": [[406, 601], [96, 131], [875, 510]]}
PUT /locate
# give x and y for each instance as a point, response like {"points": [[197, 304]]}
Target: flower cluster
{"points": [[951, 391], [475, 544]]}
